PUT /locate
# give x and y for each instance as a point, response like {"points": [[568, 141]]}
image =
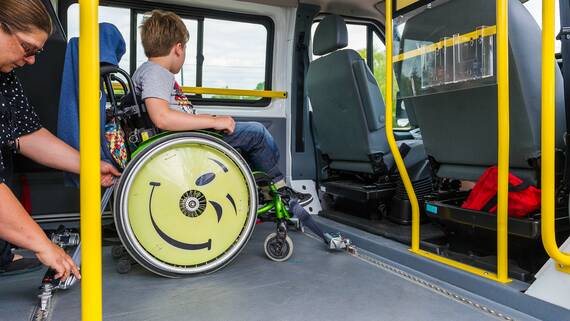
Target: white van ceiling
{"points": [[372, 9], [355, 8]]}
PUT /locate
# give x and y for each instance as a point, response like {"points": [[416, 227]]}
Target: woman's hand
{"points": [[18, 228], [108, 173], [56, 258]]}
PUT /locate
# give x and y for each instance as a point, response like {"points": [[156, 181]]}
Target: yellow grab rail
{"points": [[503, 150], [90, 190], [390, 132], [400, 4], [235, 92], [226, 91], [503, 133], [450, 42], [548, 129]]}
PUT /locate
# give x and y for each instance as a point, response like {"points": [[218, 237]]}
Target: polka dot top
{"points": [[17, 117]]}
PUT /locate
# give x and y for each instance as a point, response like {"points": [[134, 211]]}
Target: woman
{"points": [[25, 26]]}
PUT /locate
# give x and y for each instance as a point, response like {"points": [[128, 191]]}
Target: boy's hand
{"points": [[108, 172], [225, 124]]}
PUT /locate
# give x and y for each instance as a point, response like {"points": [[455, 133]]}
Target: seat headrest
{"points": [[331, 34], [111, 42]]}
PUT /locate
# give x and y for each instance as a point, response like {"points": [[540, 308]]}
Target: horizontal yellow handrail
{"points": [[449, 42], [226, 92], [457, 265], [547, 141], [400, 4], [235, 92]]}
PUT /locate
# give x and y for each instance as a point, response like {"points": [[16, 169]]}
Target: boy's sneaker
{"points": [[287, 193]]}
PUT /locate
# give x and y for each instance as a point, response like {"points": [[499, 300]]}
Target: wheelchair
{"points": [[186, 202]]}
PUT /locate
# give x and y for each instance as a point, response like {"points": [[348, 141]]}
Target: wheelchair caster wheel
{"points": [[276, 249], [124, 265], [118, 251]]}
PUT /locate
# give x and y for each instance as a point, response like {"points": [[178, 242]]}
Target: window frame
{"points": [[198, 14]]}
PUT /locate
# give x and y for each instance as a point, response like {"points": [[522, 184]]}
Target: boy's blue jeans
{"points": [[257, 146]]}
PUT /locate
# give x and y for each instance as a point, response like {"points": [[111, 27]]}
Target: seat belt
{"points": [[564, 37], [302, 67]]}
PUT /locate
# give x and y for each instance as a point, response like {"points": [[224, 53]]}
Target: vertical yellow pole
{"points": [[547, 139], [504, 137], [91, 293], [390, 133]]}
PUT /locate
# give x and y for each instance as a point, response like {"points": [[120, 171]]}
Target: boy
{"points": [[164, 37]]}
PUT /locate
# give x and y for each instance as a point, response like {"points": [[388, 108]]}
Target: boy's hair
{"points": [[161, 31], [23, 16]]}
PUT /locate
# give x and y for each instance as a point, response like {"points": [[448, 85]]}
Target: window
{"points": [[358, 36], [535, 9], [234, 55], [117, 16], [225, 50]]}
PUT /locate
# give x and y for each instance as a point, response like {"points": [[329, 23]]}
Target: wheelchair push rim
{"points": [[186, 204]]}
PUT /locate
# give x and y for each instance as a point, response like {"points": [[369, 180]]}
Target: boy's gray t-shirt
{"points": [[154, 81]]}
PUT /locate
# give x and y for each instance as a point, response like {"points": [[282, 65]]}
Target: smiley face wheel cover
{"points": [[186, 204]]}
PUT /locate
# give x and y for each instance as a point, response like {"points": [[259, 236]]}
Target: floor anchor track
{"points": [[362, 255]]}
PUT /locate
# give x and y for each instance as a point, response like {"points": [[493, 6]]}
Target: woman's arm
{"points": [[40, 145], [46, 149], [18, 228]]}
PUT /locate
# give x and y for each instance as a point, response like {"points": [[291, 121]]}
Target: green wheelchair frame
{"points": [[276, 203], [278, 245]]}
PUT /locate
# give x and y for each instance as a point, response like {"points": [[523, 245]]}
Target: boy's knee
{"points": [[257, 129]]}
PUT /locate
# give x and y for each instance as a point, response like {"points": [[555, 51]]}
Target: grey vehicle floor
{"points": [[314, 284]]}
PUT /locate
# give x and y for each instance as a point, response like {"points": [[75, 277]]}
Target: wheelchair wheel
{"points": [[278, 250], [186, 204]]}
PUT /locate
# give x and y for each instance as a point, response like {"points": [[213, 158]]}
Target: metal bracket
{"points": [[562, 268], [297, 223], [337, 242], [45, 296], [65, 239], [564, 34]]}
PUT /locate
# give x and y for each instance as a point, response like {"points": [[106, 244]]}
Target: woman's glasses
{"points": [[29, 49]]}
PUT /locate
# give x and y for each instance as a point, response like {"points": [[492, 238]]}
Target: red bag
{"points": [[523, 197]]}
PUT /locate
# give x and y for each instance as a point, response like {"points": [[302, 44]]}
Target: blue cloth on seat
{"points": [[111, 50]]}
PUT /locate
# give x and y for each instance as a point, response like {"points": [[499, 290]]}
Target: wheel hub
{"points": [[278, 248], [193, 203]]}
